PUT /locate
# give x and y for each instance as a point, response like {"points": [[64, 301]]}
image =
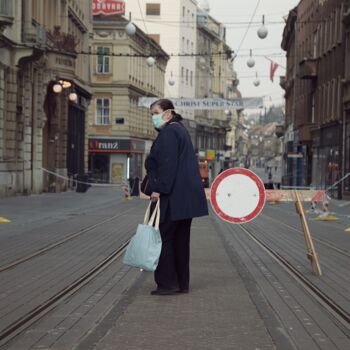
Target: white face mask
{"points": [[158, 120]]}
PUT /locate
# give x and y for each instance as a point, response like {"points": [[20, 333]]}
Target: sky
{"points": [[236, 14]]}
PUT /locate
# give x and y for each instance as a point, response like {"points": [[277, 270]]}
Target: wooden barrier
{"points": [[298, 197]]}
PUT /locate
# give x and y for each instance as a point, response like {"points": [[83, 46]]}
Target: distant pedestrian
{"points": [[174, 178]]}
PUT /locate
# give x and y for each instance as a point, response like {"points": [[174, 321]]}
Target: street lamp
{"points": [[73, 97], [57, 88]]}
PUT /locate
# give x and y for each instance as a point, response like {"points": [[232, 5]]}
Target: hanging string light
{"points": [[151, 61], [130, 28], [251, 61], [256, 81], [171, 80], [263, 31]]}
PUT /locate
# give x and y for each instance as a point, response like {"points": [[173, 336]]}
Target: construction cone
{"points": [[325, 215]]}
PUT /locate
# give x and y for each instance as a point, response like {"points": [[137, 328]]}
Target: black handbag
{"points": [[145, 186]]}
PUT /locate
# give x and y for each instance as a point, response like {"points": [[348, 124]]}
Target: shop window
{"points": [[103, 111], [103, 60], [153, 9]]}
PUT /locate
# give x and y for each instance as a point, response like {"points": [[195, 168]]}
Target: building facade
{"points": [[215, 78], [42, 132], [121, 133], [314, 39], [173, 25], [346, 102]]}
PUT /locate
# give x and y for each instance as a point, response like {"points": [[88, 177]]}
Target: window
{"points": [[103, 62], [152, 9], [155, 37], [183, 12], [191, 79], [347, 57], [187, 76], [188, 46], [183, 44], [182, 74], [340, 31], [315, 44], [102, 111]]}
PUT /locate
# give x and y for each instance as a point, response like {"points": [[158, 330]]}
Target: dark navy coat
{"points": [[173, 172]]}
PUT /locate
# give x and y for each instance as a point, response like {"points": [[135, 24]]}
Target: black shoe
{"points": [[183, 291], [164, 292]]}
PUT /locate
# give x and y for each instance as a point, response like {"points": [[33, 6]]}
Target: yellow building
{"points": [[39, 128], [120, 133]]}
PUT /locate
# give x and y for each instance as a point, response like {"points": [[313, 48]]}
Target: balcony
{"points": [[308, 68], [6, 13]]}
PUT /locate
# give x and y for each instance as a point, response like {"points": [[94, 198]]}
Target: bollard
{"points": [[126, 192]]}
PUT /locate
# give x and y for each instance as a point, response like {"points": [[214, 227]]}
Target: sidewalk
{"points": [[217, 314]]}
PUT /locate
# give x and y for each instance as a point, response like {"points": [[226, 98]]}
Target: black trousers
{"points": [[173, 271]]}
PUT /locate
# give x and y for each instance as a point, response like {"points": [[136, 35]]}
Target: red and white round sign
{"points": [[238, 195]]}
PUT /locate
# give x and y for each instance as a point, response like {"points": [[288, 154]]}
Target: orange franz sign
{"points": [[108, 7]]}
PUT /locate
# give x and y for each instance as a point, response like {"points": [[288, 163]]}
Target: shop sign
{"points": [[108, 7], [210, 155], [201, 154], [294, 155], [116, 145]]}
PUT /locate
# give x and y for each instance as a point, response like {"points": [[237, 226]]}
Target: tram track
{"points": [[318, 240], [15, 328], [58, 243], [338, 313]]}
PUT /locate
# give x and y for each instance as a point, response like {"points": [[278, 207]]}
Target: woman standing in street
{"points": [[174, 178]]}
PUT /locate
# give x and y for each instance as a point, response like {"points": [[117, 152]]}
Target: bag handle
{"points": [[155, 218], [146, 219]]}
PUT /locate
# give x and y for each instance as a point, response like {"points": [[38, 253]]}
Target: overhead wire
{"points": [[248, 27]]}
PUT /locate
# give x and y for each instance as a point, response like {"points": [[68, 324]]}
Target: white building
{"points": [[173, 24]]}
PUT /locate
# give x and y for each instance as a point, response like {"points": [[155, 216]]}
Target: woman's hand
{"points": [[155, 197]]}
